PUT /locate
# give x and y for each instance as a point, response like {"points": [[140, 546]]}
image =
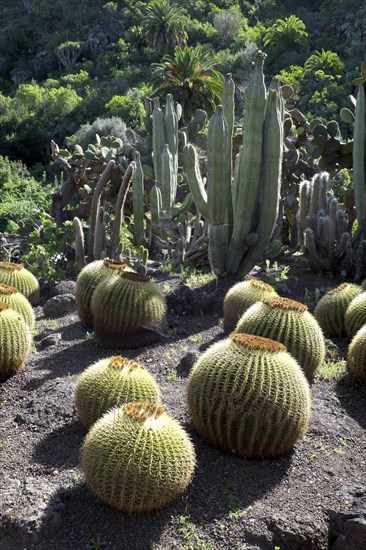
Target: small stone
{"points": [[59, 305], [65, 287], [48, 341]]}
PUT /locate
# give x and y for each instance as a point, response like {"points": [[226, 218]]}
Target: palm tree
{"points": [[192, 79], [326, 61], [163, 25], [286, 33]]}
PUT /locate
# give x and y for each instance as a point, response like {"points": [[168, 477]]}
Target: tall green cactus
{"points": [[359, 132], [249, 200]]}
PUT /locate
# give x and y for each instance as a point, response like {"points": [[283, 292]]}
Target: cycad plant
{"points": [[190, 75]]}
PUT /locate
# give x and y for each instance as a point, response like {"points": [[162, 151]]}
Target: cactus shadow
{"points": [[352, 396], [61, 447], [89, 519], [225, 485]]}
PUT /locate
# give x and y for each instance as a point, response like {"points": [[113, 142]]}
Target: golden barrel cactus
{"points": [[137, 458], [248, 396]]}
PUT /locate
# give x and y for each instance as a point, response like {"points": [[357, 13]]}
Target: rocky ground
{"points": [[311, 499]]}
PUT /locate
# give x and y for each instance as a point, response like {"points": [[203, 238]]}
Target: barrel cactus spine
{"points": [[20, 277], [290, 323], [331, 309], [128, 311], [137, 458], [240, 297], [355, 316], [11, 295], [88, 279], [111, 383], [247, 395], [15, 342], [356, 357]]}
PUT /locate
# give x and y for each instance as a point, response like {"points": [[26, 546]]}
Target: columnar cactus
{"points": [[248, 396], [358, 154], [355, 316], [137, 458], [11, 295], [324, 232], [15, 342], [240, 297], [128, 310], [20, 277], [289, 323], [241, 213], [111, 383], [88, 280], [357, 354], [331, 309]]}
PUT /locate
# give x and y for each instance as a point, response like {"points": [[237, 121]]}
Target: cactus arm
{"points": [[228, 92], [158, 140], [184, 207], [155, 208], [359, 129], [195, 182], [138, 201], [250, 162], [167, 176], [216, 163], [116, 233], [171, 134], [79, 243], [270, 181], [95, 205], [99, 236]]}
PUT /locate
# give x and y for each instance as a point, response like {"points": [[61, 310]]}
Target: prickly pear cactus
{"points": [[137, 458], [357, 354], [240, 297], [331, 309], [20, 277], [355, 316], [289, 323], [248, 396], [88, 280], [110, 383], [15, 342], [11, 295], [128, 310]]}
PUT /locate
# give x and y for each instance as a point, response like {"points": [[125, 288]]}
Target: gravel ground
{"points": [[298, 502]]}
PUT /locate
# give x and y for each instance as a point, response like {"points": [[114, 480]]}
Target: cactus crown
{"points": [[118, 362], [260, 285], [135, 277], [7, 290], [4, 307], [339, 288], [258, 343], [285, 304], [143, 411], [112, 264], [10, 266]]}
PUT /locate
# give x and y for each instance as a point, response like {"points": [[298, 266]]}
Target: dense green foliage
{"points": [[95, 58]]}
